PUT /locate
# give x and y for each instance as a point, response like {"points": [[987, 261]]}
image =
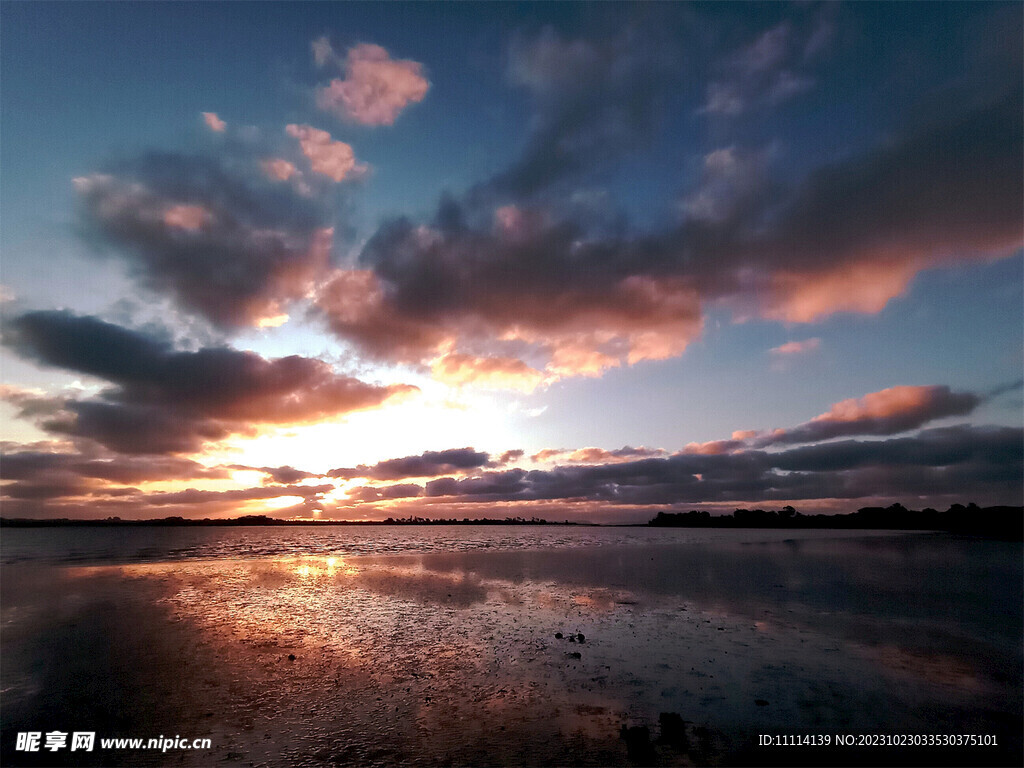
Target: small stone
{"points": [[638, 743], [291, 657], [581, 638], [673, 730], [575, 655], [558, 635]]}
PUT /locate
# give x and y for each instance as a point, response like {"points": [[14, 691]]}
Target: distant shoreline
{"points": [[1004, 522]]}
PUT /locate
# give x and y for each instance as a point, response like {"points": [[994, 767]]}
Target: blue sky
{"points": [[399, 230]]}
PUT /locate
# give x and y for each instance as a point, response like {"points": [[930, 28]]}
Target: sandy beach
{"points": [[520, 657]]}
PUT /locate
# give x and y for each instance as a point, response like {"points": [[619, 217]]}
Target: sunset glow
{"points": [[597, 264]]}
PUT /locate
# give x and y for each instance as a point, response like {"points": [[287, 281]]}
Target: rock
{"points": [[558, 635], [673, 730], [580, 638], [291, 657], [638, 743], [575, 655]]}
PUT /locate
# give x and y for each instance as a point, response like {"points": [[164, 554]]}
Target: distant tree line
{"points": [[997, 522], [264, 520]]}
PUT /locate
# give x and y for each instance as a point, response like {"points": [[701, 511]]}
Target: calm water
{"points": [[437, 645], [129, 545]]}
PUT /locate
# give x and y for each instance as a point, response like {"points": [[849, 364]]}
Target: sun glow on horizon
{"points": [[421, 422]]}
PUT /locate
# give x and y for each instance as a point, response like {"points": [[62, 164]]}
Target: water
{"points": [[87, 545], [438, 645]]}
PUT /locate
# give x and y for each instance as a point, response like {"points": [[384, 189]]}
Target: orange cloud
{"points": [[334, 159], [488, 372]]}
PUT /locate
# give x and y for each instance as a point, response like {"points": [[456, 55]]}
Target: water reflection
{"points": [[540, 655]]}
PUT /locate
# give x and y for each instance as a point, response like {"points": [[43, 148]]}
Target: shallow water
{"points": [[87, 545], [440, 647]]}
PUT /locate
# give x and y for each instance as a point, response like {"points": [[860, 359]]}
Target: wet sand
{"points": [[454, 658]]}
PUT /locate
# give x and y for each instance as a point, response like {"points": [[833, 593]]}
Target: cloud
{"points": [[954, 462], [714, 447], [427, 464], [370, 493], [887, 412], [334, 159], [791, 348], [220, 238], [168, 401], [732, 184], [285, 475], [594, 101], [770, 69], [507, 457], [322, 51], [375, 89], [494, 285], [487, 372], [279, 169], [214, 123], [563, 304], [595, 455], [855, 234], [195, 496]]}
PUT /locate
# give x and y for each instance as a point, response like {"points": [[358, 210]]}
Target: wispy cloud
{"points": [[214, 123], [791, 348]]}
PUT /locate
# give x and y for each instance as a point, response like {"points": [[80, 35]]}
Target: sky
{"points": [[562, 260]]}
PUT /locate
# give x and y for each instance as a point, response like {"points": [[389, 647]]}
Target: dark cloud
{"points": [[217, 235], [427, 464], [370, 493], [54, 500], [548, 291], [507, 457], [194, 496], [965, 461], [167, 401], [282, 475], [44, 475], [594, 100], [24, 465]]}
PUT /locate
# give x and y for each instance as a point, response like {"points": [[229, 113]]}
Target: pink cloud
{"points": [[376, 88], [895, 401], [557, 329], [796, 347], [190, 217], [278, 169], [214, 123], [886, 412], [713, 447], [334, 159]]}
